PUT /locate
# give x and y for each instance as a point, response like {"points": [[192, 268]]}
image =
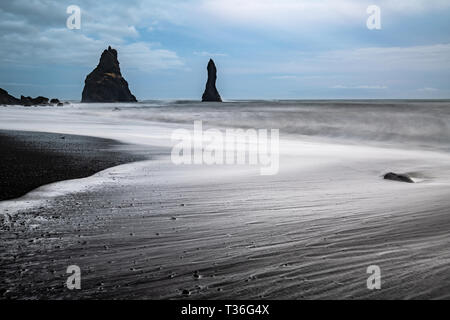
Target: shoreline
{"points": [[33, 159], [156, 230]]}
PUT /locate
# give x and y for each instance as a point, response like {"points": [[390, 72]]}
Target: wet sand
{"points": [[32, 159], [153, 230]]}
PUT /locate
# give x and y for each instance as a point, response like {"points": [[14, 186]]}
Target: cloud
{"points": [[142, 56], [286, 77], [427, 89], [372, 60], [371, 87], [408, 7], [427, 57], [291, 16], [295, 43], [210, 54], [35, 33], [287, 13]]}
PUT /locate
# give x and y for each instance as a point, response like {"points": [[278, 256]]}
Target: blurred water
{"points": [[399, 123]]}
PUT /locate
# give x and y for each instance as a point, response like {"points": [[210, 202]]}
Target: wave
{"points": [[409, 123]]}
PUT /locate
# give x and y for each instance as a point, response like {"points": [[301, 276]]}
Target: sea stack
{"points": [[211, 93], [105, 83]]}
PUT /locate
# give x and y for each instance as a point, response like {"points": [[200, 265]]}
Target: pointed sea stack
{"points": [[211, 93], [105, 83]]}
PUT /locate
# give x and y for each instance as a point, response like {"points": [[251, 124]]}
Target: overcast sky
{"points": [[263, 48]]}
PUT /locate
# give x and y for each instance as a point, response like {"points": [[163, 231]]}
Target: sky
{"points": [[263, 49]]}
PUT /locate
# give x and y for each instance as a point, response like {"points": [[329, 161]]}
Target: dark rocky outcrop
{"points": [[398, 177], [105, 83], [7, 99], [38, 101], [211, 93], [26, 101], [56, 102]]}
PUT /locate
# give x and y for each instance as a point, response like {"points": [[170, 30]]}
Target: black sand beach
{"points": [[156, 230], [32, 159]]}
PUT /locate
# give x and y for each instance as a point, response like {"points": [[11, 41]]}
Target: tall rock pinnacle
{"points": [[211, 93], [105, 83]]}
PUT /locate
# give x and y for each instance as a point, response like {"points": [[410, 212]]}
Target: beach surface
{"points": [[32, 159], [155, 230]]}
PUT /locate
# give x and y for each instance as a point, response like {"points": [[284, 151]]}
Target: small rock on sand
{"points": [[398, 177], [186, 292]]}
